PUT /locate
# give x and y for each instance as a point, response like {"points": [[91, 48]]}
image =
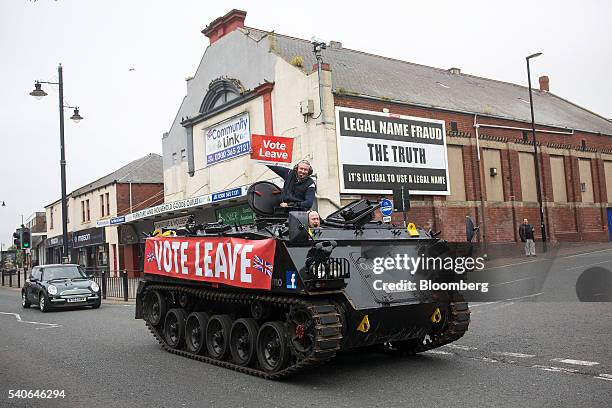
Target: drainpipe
{"points": [[481, 187]]}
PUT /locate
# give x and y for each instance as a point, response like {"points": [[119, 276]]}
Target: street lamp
{"points": [[535, 150], [38, 93]]}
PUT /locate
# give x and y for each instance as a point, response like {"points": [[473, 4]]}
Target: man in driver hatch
{"points": [[299, 189]]}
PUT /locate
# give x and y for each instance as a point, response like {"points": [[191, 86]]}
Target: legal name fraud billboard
{"points": [[379, 151], [228, 139]]}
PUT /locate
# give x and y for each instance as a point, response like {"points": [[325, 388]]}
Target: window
{"points": [[51, 218], [173, 157], [220, 92], [102, 204], [453, 126], [107, 204], [82, 211], [87, 205], [183, 154]]}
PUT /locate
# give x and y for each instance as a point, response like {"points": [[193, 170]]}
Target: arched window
{"points": [[220, 92]]}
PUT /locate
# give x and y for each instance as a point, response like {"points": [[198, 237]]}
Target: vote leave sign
{"points": [[231, 261], [275, 149]]}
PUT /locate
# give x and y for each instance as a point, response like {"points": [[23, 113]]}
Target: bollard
{"points": [[3, 277], [125, 285], [19, 278], [103, 285], [10, 280]]}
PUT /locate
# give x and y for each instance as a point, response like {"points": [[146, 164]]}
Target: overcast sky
{"points": [[127, 111]]}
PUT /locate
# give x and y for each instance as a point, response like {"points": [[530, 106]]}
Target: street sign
{"points": [[386, 207]]}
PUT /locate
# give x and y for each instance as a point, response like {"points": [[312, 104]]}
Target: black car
{"points": [[66, 285]]}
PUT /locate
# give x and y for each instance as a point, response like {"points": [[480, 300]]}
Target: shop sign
{"points": [[227, 194], [240, 214], [228, 139], [378, 152], [171, 223], [90, 236]]}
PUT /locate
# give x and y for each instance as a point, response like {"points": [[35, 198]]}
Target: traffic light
{"points": [[17, 238], [26, 240]]}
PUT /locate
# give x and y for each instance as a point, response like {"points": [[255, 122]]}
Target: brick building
{"points": [[277, 84], [93, 240]]}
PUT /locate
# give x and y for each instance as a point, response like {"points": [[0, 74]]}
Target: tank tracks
{"points": [[328, 328], [456, 327]]}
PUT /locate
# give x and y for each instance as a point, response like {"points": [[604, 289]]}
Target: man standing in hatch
{"points": [[299, 188]]}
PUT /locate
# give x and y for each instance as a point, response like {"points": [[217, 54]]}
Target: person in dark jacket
{"points": [[299, 189], [526, 234]]}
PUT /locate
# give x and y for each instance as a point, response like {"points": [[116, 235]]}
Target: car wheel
{"points": [[24, 300], [43, 303], [97, 305]]}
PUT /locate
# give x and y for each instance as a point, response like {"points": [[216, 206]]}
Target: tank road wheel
{"points": [[301, 331], [217, 336], [243, 338], [272, 348], [174, 328], [195, 332], [155, 307]]}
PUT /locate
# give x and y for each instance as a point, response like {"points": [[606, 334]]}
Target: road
{"points": [[540, 348]]}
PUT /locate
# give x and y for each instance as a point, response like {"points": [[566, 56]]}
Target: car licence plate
{"points": [[77, 299]]}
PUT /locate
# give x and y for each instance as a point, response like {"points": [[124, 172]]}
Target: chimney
{"points": [[544, 84], [224, 25], [335, 44], [455, 71]]}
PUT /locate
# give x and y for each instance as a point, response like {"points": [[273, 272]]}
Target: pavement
{"points": [[534, 345]]}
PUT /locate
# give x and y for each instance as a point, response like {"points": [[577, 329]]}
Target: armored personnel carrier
{"points": [[278, 296]]}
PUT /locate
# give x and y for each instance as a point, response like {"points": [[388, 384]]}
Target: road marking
{"points": [[607, 377], [512, 281], [555, 369], [586, 253], [446, 353], [517, 355], [25, 321], [505, 300], [460, 347], [515, 264], [487, 359], [586, 266], [575, 362]]}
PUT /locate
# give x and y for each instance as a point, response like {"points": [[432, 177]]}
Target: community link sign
{"points": [[228, 139], [378, 152]]}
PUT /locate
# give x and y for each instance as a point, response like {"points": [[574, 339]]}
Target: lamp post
{"points": [[38, 93], [535, 150]]}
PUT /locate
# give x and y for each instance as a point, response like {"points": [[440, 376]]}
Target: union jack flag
{"points": [[150, 256], [262, 265]]}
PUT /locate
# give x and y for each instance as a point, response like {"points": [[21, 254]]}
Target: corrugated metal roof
{"points": [[147, 169], [360, 73]]}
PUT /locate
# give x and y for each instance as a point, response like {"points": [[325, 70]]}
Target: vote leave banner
{"points": [[274, 149], [231, 261]]}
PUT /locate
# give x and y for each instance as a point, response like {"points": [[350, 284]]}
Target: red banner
{"points": [[231, 261], [275, 149]]}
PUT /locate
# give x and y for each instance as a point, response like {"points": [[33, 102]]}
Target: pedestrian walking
{"points": [[526, 233]]}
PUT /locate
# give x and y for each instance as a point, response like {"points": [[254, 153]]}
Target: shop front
{"points": [[91, 248], [53, 249]]}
